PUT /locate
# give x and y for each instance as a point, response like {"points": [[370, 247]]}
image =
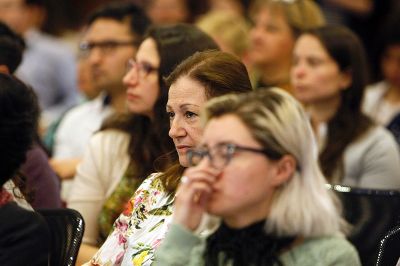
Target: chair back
{"points": [[372, 213], [66, 230], [389, 250]]}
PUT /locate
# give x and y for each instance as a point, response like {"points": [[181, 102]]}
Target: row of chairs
{"points": [[374, 215]]}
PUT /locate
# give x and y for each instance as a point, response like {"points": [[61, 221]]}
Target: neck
{"points": [[393, 95], [323, 111], [250, 215], [118, 101], [276, 74]]}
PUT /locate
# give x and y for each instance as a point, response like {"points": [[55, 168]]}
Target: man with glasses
{"points": [[113, 34]]}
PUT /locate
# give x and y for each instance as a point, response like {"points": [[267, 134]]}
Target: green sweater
{"points": [[182, 247]]}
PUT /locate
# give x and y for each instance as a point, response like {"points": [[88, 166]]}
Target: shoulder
{"points": [[23, 220], [23, 232], [376, 138], [48, 44], [91, 108], [151, 186], [333, 250], [373, 95], [111, 138]]}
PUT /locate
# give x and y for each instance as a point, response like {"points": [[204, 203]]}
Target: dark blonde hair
{"points": [[303, 206], [301, 15], [220, 73]]}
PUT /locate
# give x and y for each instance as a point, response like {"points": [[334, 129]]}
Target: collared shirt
{"points": [[78, 125]]}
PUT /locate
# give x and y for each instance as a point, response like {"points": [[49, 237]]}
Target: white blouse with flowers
{"points": [[139, 230]]}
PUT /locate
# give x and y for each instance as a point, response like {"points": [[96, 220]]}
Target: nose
{"points": [[176, 130], [95, 56], [298, 71], [130, 78]]}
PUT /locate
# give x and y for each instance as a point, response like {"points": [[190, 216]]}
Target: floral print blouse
{"points": [[140, 228]]}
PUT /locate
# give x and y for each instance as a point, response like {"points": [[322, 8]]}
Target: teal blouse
{"points": [[182, 247]]}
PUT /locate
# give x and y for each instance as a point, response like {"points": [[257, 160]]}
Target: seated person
{"points": [[256, 169], [44, 185], [122, 154], [329, 77], [382, 99], [142, 226], [24, 236]]}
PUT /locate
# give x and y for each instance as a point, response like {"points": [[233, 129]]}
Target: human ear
{"points": [[285, 168], [345, 79]]}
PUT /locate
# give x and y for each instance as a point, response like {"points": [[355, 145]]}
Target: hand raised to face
{"points": [[193, 194]]}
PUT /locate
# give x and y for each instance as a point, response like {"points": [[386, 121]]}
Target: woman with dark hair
{"points": [[122, 154], [143, 224], [329, 77], [21, 231]]}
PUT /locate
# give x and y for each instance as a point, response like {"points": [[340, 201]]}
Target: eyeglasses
{"points": [[142, 69], [105, 47], [221, 154]]}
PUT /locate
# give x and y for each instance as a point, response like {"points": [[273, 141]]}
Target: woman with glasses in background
{"points": [[122, 154], [140, 229], [256, 168]]}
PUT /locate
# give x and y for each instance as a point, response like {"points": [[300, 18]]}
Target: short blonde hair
{"points": [[301, 15], [303, 206]]}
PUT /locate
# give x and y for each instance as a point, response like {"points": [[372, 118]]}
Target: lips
{"points": [[183, 148], [131, 96]]}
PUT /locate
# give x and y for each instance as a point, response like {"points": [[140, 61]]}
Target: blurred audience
{"points": [[382, 99], [276, 27], [43, 186], [168, 11], [227, 6], [24, 236], [113, 34], [48, 65], [230, 31], [329, 78]]}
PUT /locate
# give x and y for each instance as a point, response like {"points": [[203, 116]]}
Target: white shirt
{"points": [[78, 125], [375, 105]]}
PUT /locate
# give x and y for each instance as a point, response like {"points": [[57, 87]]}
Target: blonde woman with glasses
{"points": [[256, 168]]}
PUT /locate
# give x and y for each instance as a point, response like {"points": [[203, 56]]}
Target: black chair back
{"points": [[66, 229], [372, 213], [389, 250]]}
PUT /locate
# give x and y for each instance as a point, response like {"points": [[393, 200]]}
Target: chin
{"points": [[183, 161]]}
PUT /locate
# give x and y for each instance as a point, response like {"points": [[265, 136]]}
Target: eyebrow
{"points": [[183, 105]]}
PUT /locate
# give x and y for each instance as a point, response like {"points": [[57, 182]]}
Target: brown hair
{"points": [[149, 138], [220, 73]]}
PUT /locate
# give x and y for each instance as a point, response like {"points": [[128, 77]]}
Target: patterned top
{"points": [[116, 203], [140, 228]]}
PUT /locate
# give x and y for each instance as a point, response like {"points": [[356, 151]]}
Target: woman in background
{"points": [[276, 26], [329, 78]]}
